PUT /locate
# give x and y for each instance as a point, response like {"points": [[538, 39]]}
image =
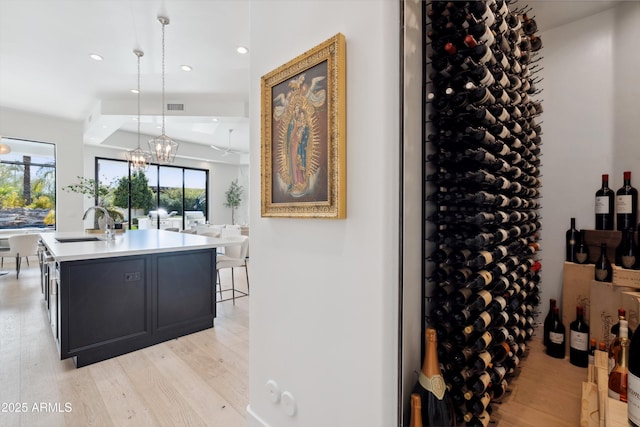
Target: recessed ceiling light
{"points": [[215, 119], [133, 90], [242, 50], [186, 68], [95, 57]]}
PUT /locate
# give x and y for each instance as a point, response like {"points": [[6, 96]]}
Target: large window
{"points": [[27, 184], [161, 197]]}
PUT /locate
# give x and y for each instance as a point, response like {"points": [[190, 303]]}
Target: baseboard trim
{"points": [[255, 420]]}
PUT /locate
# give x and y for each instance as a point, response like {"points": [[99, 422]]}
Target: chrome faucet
{"points": [[107, 228]]}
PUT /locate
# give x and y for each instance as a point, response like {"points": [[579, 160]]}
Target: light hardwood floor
{"points": [[197, 380]]}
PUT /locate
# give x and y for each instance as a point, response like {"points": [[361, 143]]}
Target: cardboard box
{"points": [[605, 300], [631, 303]]}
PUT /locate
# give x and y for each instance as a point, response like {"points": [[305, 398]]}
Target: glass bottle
{"points": [[556, 346], [582, 253], [437, 409], [619, 373], [604, 205], [626, 204], [548, 321], [572, 241], [579, 336], [603, 270], [629, 255]]}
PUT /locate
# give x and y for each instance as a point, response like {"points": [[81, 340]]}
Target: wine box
{"points": [[594, 238], [631, 303], [626, 277], [604, 301]]}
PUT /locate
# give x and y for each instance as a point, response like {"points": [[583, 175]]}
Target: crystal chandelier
{"points": [[162, 147], [138, 158]]}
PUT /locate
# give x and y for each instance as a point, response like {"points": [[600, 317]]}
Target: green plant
{"points": [[41, 202], [91, 188], [50, 219], [141, 194], [234, 197]]}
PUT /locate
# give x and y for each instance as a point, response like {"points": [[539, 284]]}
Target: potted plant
{"points": [[234, 197], [91, 188]]}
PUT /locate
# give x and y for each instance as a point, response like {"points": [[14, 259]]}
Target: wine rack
{"points": [[482, 194]]}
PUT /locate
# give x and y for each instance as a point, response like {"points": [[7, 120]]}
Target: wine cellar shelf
{"points": [[482, 192]]}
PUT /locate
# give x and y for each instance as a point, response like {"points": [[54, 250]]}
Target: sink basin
{"points": [[77, 239]]}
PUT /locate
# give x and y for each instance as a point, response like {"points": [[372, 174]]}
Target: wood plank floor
{"points": [[197, 380]]}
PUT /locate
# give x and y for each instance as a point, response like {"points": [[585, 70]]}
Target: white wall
{"points": [[324, 292], [578, 138]]}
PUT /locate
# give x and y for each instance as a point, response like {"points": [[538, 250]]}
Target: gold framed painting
{"points": [[303, 144]]}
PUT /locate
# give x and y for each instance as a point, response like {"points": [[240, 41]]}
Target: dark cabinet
{"points": [[112, 306]]}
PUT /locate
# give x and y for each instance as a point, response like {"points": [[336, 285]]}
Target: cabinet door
{"points": [[185, 287], [106, 301]]}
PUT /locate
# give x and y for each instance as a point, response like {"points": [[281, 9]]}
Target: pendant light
{"points": [[4, 148], [162, 147], [138, 158]]}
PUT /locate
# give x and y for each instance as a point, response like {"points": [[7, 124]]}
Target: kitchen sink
{"points": [[77, 239]]}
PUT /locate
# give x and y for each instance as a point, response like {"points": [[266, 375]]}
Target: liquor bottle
{"points": [[571, 241], [437, 409], [626, 204], [615, 329], [548, 321], [592, 351], [633, 381], [618, 377], [582, 252], [579, 336], [416, 411], [603, 270], [629, 252], [604, 205], [556, 344]]}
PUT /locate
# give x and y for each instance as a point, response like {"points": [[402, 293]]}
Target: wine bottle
{"points": [[416, 411], [579, 336], [633, 380], [582, 252], [614, 347], [629, 253], [603, 270], [548, 321], [571, 241], [437, 409], [619, 374], [556, 344], [604, 205], [626, 204], [592, 351]]}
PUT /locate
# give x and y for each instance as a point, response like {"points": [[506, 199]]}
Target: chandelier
{"points": [[138, 158], [162, 147]]}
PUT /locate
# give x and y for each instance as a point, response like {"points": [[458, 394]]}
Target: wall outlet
{"points": [[273, 390], [288, 403]]}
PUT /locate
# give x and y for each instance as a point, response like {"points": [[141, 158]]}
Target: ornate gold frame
{"points": [[303, 148]]}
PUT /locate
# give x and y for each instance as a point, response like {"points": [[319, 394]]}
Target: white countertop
{"points": [[132, 242]]}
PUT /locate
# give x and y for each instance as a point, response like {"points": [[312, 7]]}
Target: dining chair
{"points": [[235, 257], [21, 245]]}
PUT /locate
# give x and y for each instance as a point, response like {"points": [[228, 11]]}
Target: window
{"points": [[161, 197], [27, 185]]}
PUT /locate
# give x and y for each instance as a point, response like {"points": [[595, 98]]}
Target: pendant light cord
{"points": [[163, 104]]}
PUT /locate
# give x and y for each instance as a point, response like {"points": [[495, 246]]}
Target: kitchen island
{"points": [[109, 297]]}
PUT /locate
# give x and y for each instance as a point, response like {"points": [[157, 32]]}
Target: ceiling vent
{"points": [[175, 107]]}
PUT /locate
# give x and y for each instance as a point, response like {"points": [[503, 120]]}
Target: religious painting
{"points": [[303, 135]]}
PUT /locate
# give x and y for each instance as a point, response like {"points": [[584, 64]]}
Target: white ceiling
{"points": [[45, 67]]}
